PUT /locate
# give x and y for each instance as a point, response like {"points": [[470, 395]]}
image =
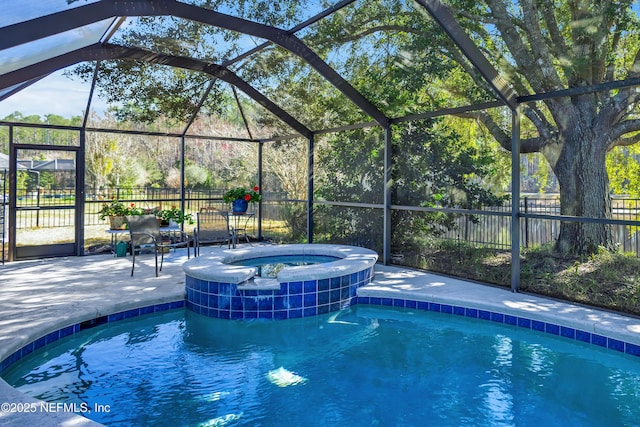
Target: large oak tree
{"points": [[539, 46], [552, 45]]}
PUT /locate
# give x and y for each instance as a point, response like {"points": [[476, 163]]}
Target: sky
{"points": [[55, 94]]}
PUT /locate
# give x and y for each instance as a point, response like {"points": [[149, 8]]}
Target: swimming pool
{"points": [[361, 366]]}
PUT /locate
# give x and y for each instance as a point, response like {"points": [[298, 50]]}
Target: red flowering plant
{"points": [[252, 195]]}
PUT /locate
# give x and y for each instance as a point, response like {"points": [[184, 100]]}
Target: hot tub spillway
{"points": [[215, 288], [259, 283]]}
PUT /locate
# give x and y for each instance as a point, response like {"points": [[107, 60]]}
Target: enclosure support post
{"points": [[80, 191], [310, 166], [515, 199], [260, 158], [388, 182], [182, 195], [13, 167]]}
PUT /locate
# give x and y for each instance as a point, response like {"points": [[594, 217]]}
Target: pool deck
{"points": [[42, 296]]}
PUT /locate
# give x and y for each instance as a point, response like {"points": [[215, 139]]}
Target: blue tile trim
{"points": [[510, 320], [632, 349], [73, 329], [567, 332], [471, 312], [523, 322], [496, 317], [290, 300], [615, 344], [598, 340], [507, 319], [552, 329], [583, 336], [537, 325]]}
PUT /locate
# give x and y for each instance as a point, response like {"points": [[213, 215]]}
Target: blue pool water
{"points": [[363, 366], [271, 266]]}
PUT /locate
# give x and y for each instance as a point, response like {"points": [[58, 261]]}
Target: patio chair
{"points": [[210, 228], [144, 231]]}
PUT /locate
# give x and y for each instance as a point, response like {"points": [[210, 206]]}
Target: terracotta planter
{"points": [[117, 222]]}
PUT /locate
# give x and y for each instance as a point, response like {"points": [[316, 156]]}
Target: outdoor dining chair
{"points": [[210, 228], [144, 231]]}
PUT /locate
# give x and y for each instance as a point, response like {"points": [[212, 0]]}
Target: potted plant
{"points": [[115, 211], [174, 214], [240, 198]]}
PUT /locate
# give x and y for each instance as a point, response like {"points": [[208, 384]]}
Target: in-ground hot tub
{"points": [[218, 288]]}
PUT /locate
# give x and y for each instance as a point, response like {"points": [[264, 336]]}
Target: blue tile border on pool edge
{"points": [[73, 329], [523, 322]]}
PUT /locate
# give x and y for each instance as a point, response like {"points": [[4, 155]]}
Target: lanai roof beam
{"points": [[34, 29], [99, 51]]}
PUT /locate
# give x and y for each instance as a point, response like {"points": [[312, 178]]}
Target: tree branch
{"points": [[376, 29], [559, 46], [625, 142], [528, 145], [623, 128], [513, 41], [537, 117], [618, 106], [538, 46]]}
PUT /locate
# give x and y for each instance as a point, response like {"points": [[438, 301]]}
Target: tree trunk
{"points": [[584, 192]]}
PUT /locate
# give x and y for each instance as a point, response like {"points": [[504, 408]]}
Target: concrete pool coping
{"points": [[41, 296], [216, 267]]}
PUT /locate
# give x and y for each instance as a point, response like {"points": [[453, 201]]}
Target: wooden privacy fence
{"points": [[495, 231]]}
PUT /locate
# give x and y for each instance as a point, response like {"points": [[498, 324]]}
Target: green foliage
{"points": [[174, 214], [351, 167], [432, 167], [623, 167], [115, 208], [402, 62], [33, 135], [25, 180], [195, 175], [295, 217], [142, 92]]}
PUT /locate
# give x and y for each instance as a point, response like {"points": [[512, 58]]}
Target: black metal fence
{"points": [[45, 207], [487, 230]]}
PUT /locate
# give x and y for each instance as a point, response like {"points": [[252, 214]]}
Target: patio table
{"points": [[234, 222]]}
